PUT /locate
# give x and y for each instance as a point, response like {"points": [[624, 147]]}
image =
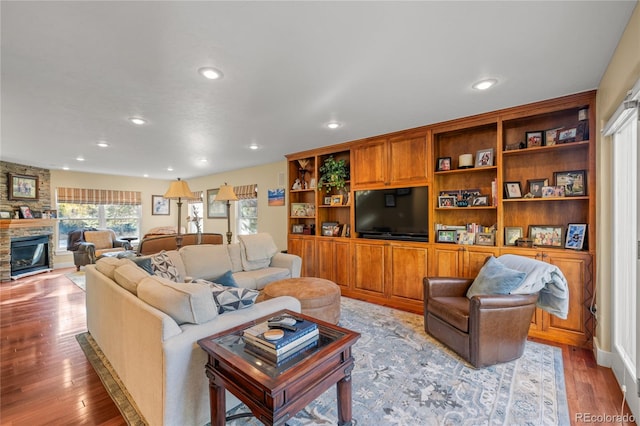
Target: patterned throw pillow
{"points": [[231, 298], [162, 266]]}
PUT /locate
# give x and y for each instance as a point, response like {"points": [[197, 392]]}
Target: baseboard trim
{"points": [[603, 358]]}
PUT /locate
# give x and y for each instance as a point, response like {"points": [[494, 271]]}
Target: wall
{"points": [[271, 219], [621, 74]]}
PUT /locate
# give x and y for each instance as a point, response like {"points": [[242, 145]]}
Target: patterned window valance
{"points": [[197, 197], [97, 196], [245, 192]]}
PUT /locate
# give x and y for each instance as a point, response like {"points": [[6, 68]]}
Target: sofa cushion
{"points": [[100, 239], [205, 260], [184, 302], [230, 299], [225, 279], [163, 266], [143, 262], [256, 250], [235, 257], [129, 275], [260, 277], [495, 278], [107, 265]]}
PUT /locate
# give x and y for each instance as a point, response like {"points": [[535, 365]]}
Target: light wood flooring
{"points": [[46, 379]]}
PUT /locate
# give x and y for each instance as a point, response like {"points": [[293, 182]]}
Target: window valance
{"points": [[197, 197], [245, 192], [98, 196]]}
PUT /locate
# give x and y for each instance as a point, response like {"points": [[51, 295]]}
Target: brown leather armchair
{"points": [[484, 330], [89, 244]]}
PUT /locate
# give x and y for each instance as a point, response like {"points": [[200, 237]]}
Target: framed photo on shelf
{"points": [[299, 209], [160, 205], [446, 201], [546, 235], [479, 200], [467, 238], [215, 209], [551, 136], [327, 201], [336, 200], [536, 185], [573, 182], [327, 228], [297, 228], [533, 139], [23, 187], [576, 233], [447, 236], [512, 190], [5, 215], [443, 164], [552, 191], [485, 239], [484, 158], [25, 212], [567, 135], [511, 235]]}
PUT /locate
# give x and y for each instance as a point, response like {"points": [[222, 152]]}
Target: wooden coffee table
{"points": [[276, 393]]}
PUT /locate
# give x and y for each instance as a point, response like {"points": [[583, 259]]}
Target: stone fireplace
{"points": [[21, 230]]}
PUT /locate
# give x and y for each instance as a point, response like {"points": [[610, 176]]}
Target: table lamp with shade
{"points": [[179, 190], [226, 194]]}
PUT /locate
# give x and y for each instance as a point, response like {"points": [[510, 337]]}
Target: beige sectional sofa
{"points": [[153, 349]]}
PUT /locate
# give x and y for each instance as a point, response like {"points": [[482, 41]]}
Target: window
{"points": [[247, 209], [195, 213], [89, 208]]}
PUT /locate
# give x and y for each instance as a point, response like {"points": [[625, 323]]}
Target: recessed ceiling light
{"points": [[334, 124], [211, 73], [145, 175], [485, 84], [80, 158], [254, 146], [137, 121], [169, 169], [103, 144], [65, 167], [203, 160]]}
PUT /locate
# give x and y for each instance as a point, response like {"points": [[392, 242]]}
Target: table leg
{"points": [[216, 402], [343, 388]]}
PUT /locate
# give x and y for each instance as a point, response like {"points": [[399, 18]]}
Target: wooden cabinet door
{"points": [[474, 258], [369, 167], [408, 268], [325, 259], [408, 159], [447, 261], [342, 263], [305, 248], [369, 267]]}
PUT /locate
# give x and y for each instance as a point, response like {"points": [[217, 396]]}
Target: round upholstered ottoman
{"points": [[318, 297]]}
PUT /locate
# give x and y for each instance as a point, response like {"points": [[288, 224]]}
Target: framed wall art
{"points": [[22, 187], [160, 206], [215, 209]]}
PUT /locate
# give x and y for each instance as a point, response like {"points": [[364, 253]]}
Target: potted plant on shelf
{"points": [[334, 174]]}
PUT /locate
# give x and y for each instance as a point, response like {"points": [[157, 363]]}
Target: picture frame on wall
{"points": [[22, 187], [576, 235], [546, 235], [215, 209], [160, 206]]}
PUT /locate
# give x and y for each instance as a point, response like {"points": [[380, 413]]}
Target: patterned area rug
{"points": [[405, 377], [78, 278]]}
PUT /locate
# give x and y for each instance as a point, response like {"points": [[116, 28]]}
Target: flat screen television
{"points": [[397, 214]]}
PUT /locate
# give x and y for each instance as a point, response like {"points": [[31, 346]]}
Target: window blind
{"points": [[197, 197], [245, 192], [97, 196]]}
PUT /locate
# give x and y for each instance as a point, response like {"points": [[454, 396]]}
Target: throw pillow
{"points": [[162, 266], [495, 278], [225, 279], [144, 263], [229, 299]]}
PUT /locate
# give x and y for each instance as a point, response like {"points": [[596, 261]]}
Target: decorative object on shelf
{"points": [[179, 190], [524, 242], [327, 201], [446, 201], [226, 194], [573, 182], [160, 206], [512, 190], [484, 158], [336, 200], [536, 185], [465, 161], [485, 239], [567, 135], [514, 146], [327, 228], [553, 191], [338, 229], [550, 136], [512, 234], [546, 235], [25, 212], [533, 139], [443, 164], [36, 214], [52, 214], [16, 214], [22, 187], [5, 215], [335, 174], [467, 238], [215, 209], [480, 200], [447, 236], [301, 209], [576, 233], [462, 203], [312, 183], [297, 228], [297, 185], [309, 229]]}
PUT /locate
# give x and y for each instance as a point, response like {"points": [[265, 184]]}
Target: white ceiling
{"points": [[73, 72]]}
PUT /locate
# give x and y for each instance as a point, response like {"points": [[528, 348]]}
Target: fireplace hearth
{"points": [[29, 255]]}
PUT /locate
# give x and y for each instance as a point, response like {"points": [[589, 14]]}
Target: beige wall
{"points": [[270, 219], [621, 74]]}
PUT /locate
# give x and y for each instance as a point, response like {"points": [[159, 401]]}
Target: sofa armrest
{"points": [[446, 287], [122, 243], [291, 262], [89, 249]]}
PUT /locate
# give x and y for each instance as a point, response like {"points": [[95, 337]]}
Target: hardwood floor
{"points": [[46, 379]]}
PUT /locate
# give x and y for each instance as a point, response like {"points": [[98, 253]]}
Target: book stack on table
{"points": [[302, 336]]}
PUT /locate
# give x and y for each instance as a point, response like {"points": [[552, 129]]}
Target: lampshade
{"points": [[226, 193], [178, 189]]}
